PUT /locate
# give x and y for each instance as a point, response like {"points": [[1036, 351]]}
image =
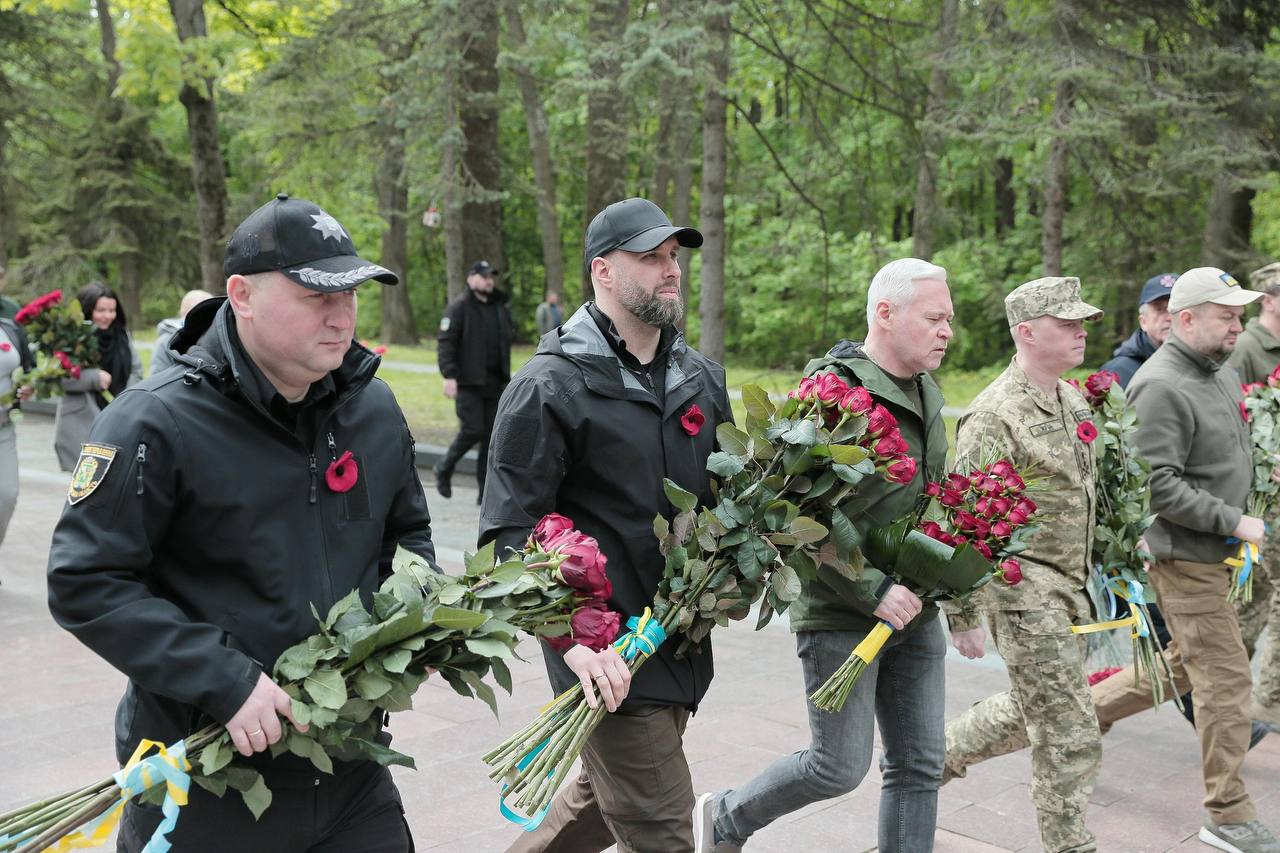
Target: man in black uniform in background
{"points": [[475, 360], [201, 529]]}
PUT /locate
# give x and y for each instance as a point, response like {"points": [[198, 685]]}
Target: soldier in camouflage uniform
{"points": [[1031, 417], [1256, 355]]}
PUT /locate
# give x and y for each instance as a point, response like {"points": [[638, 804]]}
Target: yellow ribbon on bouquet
{"points": [[169, 767]]}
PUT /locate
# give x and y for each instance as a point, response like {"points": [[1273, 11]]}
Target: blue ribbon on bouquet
{"points": [[528, 824], [1244, 559]]}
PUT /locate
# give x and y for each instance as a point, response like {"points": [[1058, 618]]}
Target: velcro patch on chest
{"points": [[1037, 430], [90, 471]]}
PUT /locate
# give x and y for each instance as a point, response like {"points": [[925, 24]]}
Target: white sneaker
{"points": [[704, 828], [1249, 837]]}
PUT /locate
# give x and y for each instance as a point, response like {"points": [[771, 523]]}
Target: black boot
{"points": [[444, 481]]}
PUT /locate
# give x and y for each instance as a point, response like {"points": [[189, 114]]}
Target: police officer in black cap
{"points": [[207, 520], [474, 355]]}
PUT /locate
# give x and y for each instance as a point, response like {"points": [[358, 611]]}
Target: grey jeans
{"points": [[902, 690], [8, 473]]}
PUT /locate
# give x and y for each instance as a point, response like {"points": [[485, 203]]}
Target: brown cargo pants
{"points": [[1206, 639]]}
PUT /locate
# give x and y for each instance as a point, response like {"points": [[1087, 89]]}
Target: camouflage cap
{"points": [[1208, 284], [1054, 296], [1266, 279]]}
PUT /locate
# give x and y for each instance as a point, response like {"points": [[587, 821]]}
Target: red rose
{"points": [[983, 548], [983, 507], [692, 420], [1016, 517], [880, 422], [857, 402], [831, 389], [582, 568], [1244, 412], [595, 627], [981, 529], [75, 371], [1001, 469], [1001, 506], [960, 539], [946, 539], [805, 390], [889, 446], [63, 359], [1027, 506], [1002, 530], [958, 482], [1274, 379], [1097, 385], [933, 490], [990, 487], [560, 644], [1087, 432], [950, 497], [902, 470], [966, 521], [550, 526], [342, 473], [1011, 571], [931, 529], [1251, 386]]}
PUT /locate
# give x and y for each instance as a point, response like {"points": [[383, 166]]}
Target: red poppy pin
{"points": [[1086, 432], [692, 420], [342, 473], [5, 346]]}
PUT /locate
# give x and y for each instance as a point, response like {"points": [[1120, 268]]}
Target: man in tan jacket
{"points": [[1192, 431]]}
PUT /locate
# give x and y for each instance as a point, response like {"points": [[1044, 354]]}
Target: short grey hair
{"points": [[896, 282]]}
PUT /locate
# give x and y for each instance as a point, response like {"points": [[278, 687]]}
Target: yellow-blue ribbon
{"points": [[1243, 560], [643, 638], [167, 767]]}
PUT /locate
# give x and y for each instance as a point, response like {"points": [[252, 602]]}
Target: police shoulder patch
{"points": [[95, 460], [444, 324]]}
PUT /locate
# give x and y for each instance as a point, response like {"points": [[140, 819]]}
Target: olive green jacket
{"points": [[1256, 354], [833, 602]]}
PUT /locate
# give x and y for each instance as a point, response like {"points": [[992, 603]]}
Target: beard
{"points": [[649, 308]]}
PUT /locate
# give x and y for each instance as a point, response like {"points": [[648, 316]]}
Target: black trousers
{"points": [[357, 810], [477, 406]]}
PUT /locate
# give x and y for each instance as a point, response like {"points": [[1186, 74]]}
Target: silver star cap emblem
{"points": [[328, 226]]}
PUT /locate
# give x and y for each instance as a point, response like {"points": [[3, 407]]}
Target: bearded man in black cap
{"points": [[474, 354], [213, 509], [589, 427]]}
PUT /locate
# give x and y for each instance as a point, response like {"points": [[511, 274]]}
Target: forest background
{"points": [[810, 140]]}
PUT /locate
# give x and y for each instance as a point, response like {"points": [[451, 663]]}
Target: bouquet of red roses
{"points": [[63, 338], [963, 536], [1261, 408], [778, 485], [361, 664]]}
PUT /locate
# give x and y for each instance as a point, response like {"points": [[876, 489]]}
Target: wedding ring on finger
{"points": [[254, 733]]}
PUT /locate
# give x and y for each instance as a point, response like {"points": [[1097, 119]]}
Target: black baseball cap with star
{"points": [[294, 237]]}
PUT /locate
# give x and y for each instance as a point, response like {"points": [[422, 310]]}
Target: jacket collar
{"points": [[853, 355], [1182, 350], [1034, 391], [583, 341], [208, 344]]}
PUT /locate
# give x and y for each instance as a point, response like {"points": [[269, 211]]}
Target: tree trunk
{"points": [[607, 112], [482, 151], [931, 137], [451, 201], [398, 326], [540, 150], [1005, 197], [714, 149], [128, 262], [1228, 228], [1055, 184], [682, 190], [207, 168], [7, 230]]}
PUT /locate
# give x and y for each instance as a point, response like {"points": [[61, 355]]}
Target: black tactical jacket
{"points": [[211, 534]]}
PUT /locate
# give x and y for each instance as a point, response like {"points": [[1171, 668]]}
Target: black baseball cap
{"points": [[1157, 287], [295, 237], [481, 268], [634, 225]]}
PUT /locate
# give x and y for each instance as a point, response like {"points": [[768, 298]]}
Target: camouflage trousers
{"points": [[1264, 610], [1048, 707]]}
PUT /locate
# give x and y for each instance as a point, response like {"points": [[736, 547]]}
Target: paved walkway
{"points": [[58, 700]]}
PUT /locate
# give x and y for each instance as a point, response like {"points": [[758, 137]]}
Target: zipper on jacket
{"points": [[312, 458], [142, 459], [333, 446]]}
